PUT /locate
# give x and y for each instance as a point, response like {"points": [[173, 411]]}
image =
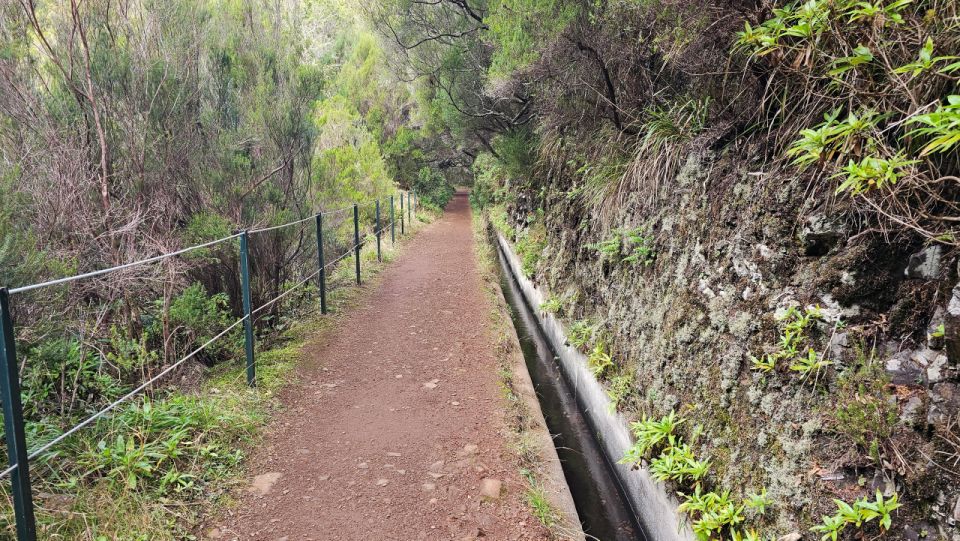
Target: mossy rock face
{"points": [[733, 249]]}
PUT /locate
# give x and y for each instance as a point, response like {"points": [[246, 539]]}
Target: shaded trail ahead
{"points": [[396, 417]]}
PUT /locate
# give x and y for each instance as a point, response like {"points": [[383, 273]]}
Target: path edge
{"points": [[518, 382]]}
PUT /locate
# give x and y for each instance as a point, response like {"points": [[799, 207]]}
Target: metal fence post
{"points": [[247, 314], [322, 264], [409, 210], [414, 202], [13, 425], [401, 215], [393, 223], [379, 258], [356, 239]]}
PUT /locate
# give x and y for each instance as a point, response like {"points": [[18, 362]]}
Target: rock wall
{"points": [[733, 248]]}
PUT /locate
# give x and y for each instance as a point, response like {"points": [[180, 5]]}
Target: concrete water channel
{"points": [[604, 511]]}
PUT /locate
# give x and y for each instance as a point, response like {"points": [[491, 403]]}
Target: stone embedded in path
{"points": [[432, 384], [263, 483], [490, 488], [382, 482]]}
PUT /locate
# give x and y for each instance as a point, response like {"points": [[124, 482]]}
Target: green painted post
{"points": [[409, 210], [401, 215], [414, 202], [247, 312], [323, 272], [379, 258], [393, 223], [13, 425], [356, 239]]}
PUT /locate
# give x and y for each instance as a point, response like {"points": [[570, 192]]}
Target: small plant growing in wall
{"points": [[630, 246], [551, 305], [580, 333], [793, 344], [859, 513], [599, 360], [620, 387]]}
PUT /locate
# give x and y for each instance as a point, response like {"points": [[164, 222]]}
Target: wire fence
{"points": [[325, 225]]}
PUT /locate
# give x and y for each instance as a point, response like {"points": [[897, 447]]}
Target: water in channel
{"points": [[604, 512]]}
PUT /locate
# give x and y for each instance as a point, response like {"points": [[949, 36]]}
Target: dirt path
{"points": [[397, 420]]}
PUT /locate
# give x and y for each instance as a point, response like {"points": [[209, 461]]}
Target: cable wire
{"points": [[126, 397], [120, 267], [285, 293], [8, 471], [281, 226]]}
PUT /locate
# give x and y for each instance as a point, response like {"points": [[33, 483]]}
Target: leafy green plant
{"points": [[620, 387], [764, 363], [833, 137], [811, 362], [939, 332], [530, 245], [713, 512], [794, 325], [608, 247], [639, 247], [881, 10], [628, 246], [599, 360], [650, 433], [551, 305], [872, 173], [861, 55], [580, 333], [941, 125], [859, 513], [926, 61], [677, 463], [759, 502]]}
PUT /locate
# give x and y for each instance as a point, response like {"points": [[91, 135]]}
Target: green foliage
{"points": [[552, 305], [811, 362], [833, 137], [862, 411], [599, 360], [432, 188], [516, 150], [621, 386], [631, 246], [581, 333], [872, 172], [677, 463], [608, 247], [519, 27], [715, 512], [488, 180], [940, 127], [926, 61], [500, 222], [795, 324], [652, 434], [861, 512], [530, 245], [759, 502], [195, 318], [677, 122]]}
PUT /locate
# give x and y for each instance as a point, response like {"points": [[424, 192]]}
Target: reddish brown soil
{"points": [[397, 416]]}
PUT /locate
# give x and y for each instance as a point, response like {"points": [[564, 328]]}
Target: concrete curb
{"points": [[654, 507]]}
